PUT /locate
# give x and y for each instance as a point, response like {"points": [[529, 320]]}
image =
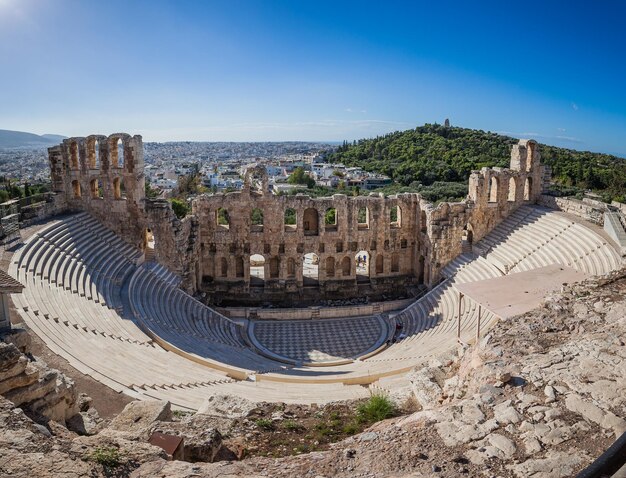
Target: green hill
{"points": [[431, 157]]}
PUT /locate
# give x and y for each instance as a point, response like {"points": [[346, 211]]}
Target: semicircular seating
{"points": [[129, 326]]}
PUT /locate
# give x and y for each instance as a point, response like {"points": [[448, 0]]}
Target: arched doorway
{"points": [[468, 240], [148, 244], [257, 270], [310, 269], [362, 262]]}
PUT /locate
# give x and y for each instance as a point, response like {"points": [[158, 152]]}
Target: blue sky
{"points": [[314, 70]]}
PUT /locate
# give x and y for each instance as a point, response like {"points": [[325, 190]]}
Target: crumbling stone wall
{"points": [[175, 244], [592, 211], [213, 254], [105, 177], [225, 249]]}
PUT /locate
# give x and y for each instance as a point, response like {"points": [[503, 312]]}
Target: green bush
{"points": [[377, 408], [180, 208], [108, 457]]}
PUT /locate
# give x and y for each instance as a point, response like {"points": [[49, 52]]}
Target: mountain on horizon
{"points": [[20, 139]]}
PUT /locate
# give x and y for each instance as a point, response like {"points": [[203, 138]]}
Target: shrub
{"points": [[264, 423], [351, 428], [180, 208], [108, 457], [377, 408], [292, 425]]}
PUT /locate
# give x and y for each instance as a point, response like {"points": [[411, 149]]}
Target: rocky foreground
{"points": [[542, 395]]}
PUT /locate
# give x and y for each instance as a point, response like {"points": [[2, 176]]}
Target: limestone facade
{"points": [[406, 240]]}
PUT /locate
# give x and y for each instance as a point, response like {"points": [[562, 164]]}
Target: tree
{"points": [[151, 193], [299, 176]]}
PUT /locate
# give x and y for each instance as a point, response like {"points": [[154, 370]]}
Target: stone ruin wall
{"points": [[225, 250], [96, 175], [216, 259], [175, 241], [493, 194]]}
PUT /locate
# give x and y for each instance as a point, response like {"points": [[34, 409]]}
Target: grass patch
{"points": [[181, 413], [264, 424], [292, 425], [378, 407], [351, 428], [108, 457]]}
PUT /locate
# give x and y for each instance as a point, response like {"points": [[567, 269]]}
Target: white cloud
{"points": [[574, 106]]}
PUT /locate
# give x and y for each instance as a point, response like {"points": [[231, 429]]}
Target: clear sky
{"points": [[315, 70]]}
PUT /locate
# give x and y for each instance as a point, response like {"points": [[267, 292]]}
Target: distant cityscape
{"points": [[221, 165]]}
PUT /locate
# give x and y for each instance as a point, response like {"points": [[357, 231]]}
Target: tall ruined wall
{"points": [[105, 177], [225, 249]]}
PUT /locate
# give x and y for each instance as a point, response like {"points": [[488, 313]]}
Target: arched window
{"points": [[76, 189], [223, 267], [74, 155], [256, 219], [239, 267], [493, 189], [116, 153], [310, 222], [380, 264], [395, 217], [290, 219], [528, 189], [222, 219], [330, 267], [330, 219], [93, 153], [395, 263], [363, 218], [512, 190], [120, 154], [291, 267], [346, 266]]}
